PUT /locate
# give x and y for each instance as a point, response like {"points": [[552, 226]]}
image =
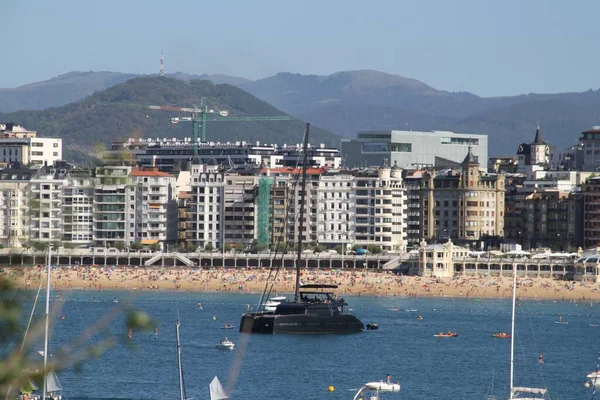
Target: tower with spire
{"points": [[162, 64], [533, 156], [470, 170]]}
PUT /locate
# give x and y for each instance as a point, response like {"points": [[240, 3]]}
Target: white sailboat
{"points": [[519, 392], [216, 390]]}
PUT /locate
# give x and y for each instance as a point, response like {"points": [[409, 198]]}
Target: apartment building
{"points": [[287, 200], [78, 208], [336, 209], [155, 213], [412, 182], [381, 208], [15, 205], [205, 216], [45, 188], [20, 145], [591, 195], [114, 207], [239, 208], [465, 205]]}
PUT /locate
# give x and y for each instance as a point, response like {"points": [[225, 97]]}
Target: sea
{"points": [[470, 366]]}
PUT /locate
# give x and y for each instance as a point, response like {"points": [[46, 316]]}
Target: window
{"points": [[54, 145], [401, 147]]}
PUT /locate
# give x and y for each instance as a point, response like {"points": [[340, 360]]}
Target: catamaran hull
{"points": [[306, 323]]}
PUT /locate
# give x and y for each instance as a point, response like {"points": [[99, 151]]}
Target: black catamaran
{"points": [[315, 308]]}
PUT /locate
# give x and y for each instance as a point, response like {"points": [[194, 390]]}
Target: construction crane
{"points": [[199, 117]]}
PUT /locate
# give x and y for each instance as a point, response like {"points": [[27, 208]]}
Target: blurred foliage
{"points": [[18, 371]]}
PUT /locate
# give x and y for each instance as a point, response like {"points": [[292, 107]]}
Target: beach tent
{"points": [[518, 253]]}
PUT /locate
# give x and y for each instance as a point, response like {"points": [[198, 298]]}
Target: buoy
{"points": [[214, 317], [62, 316], [331, 388]]}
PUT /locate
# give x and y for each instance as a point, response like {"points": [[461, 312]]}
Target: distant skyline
{"points": [[488, 48]]}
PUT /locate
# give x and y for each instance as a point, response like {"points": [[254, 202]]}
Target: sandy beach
{"points": [[350, 282]]}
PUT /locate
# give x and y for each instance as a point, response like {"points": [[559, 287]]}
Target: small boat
{"points": [[594, 375], [273, 302], [501, 335], [447, 334], [372, 327], [594, 325], [227, 326], [560, 321], [216, 390], [371, 390], [225, 344]]}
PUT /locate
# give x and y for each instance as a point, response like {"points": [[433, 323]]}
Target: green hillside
{"points": [[84, 125]]}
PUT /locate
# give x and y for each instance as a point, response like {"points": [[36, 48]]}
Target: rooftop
{"points": [[149, 172]]}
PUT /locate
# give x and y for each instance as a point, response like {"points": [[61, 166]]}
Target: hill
{"points": [[72, 86], [85, 124]]}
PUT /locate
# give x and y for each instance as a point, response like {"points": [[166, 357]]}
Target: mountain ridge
{"points": [[346, 102]]}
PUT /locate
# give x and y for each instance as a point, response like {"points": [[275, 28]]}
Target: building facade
{"points": [[413, 149]]}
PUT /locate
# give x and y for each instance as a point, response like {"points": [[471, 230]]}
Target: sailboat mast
{"points": [[512, 331], [49, 271], [302, 197], [181, 386]]}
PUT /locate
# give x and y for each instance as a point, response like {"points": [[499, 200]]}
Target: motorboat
{"points": [[228, 326], [501, 335], [273, 302], [225, 344], [447, 334], [372, 390]]}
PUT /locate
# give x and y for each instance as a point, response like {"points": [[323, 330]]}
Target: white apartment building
{"points": [[336, 209], [206, 206], [155, 207], [20, 145], [381, 208], [14, 206], [46, 206], [78, 208]]}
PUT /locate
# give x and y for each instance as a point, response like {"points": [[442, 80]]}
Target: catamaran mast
{"points": [[302, 197], [512, 331], [49, 270], [181, 385]]}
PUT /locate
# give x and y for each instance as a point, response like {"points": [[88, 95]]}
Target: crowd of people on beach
{"points": [[350, 281]]}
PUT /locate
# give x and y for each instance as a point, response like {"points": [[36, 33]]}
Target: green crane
{"points": [[199, 118]]}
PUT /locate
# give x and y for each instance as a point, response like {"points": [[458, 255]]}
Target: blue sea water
{"points": [[303, 367]]}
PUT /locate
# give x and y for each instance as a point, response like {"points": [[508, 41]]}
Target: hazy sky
{"points": [[489, 48]]}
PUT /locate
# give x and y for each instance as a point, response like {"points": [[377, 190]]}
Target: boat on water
{"points": [[315, 308], [447, 334], [560, 321], [216, 390], [372, 390], [225, 344], [273, 302], [501, 335], [228, 326], [520, 392]]}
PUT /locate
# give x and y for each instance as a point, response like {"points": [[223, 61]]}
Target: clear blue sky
{"points": [[485, 47]]}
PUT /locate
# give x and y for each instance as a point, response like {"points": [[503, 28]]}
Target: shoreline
{"points": [[351, 282]]}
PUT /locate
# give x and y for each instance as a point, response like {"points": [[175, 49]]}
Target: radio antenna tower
{"points": [[162, 64]]}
